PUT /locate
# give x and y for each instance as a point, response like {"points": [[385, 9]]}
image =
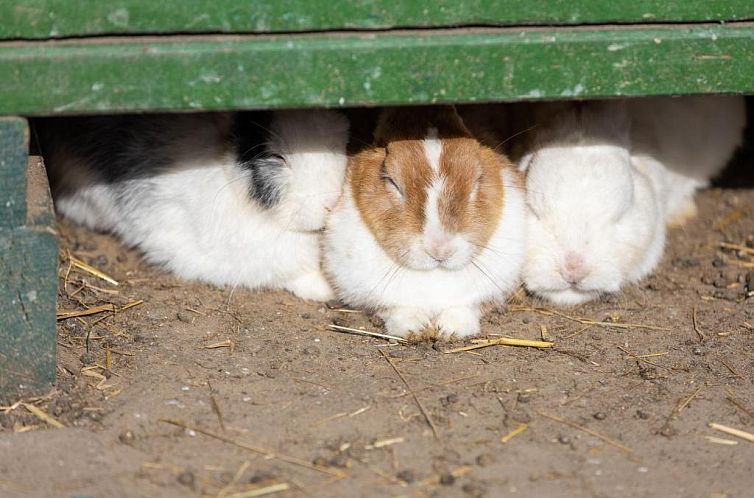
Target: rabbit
{"points": [[229, 199], [693, 137], [605, 178], [429, 227]]}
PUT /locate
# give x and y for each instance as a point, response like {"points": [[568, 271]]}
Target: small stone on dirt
{"points": [[448, 400], [523, 397], [447, 479], [186, 478], [473, 490], [87, 359], [720, 282], [340, 460], [685, 262], [260, 476], [642, 414], [563, 439], [485, 459], [186, 317], [126, 437], [406, 476], [600, 416], [718, 262], [648, 373], [311, 350]]}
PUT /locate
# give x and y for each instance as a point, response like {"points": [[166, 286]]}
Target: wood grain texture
{"points": [[64, 18], [229, 72]]}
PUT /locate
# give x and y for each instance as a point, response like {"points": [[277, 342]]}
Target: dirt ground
{"points": [[269, 401]]}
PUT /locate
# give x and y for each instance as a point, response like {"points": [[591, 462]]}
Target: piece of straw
{"points": [[747, 436]]}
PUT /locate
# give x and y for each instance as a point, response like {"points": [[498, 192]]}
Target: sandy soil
{"points": [[269, 399]]}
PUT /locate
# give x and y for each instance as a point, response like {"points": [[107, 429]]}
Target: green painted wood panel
{"points": [[28, 286], [217, 72], [13, 151], [62, 18], [28, 259]]}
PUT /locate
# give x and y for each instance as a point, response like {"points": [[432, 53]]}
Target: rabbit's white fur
{"points": [[196, 218], [693, 138], [601, 188], [409, 300]]}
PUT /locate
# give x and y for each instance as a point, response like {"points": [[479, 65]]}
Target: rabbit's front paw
{"points": [[458, 322], [403, 321], [311, 286]]}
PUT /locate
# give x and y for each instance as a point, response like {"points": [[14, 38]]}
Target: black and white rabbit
{"points": [[230, 199]]}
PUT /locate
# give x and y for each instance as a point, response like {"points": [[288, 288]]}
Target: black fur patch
{"points": [[251, 134], [117, 147]]}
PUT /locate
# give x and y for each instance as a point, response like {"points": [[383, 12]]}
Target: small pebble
{"points": [[523, 397], [642, 414], [648, 373], [87, 358], [709, 277], [697, 351], [321, 461], [718, 262], [186, 317], [340, 460], [563, 439], [311, 350], [186, 478], [685, 262], [720, 282], [260, 476], [473, 490], [668, 431], [600, 416], [74, 327], [406, 476], [96, 416], [447, 479], [126, 437], [306, 316], [485, 459], [449, 399]]}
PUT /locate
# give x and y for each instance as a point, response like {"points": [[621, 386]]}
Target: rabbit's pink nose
{"points": [[440, 249], [574, 268]]}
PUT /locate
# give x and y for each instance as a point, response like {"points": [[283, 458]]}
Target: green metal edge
{"points": [[188, 73], [64, 18]]}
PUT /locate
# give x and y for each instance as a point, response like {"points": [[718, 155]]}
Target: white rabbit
{"points": [[430, 225], [693, 138], [604, 178], [220, 198]]}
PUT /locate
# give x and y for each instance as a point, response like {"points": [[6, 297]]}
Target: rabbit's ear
{"points": [[606, 120]]}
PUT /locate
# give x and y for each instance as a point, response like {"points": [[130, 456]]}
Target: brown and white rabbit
{"points": [[430, 226]]}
